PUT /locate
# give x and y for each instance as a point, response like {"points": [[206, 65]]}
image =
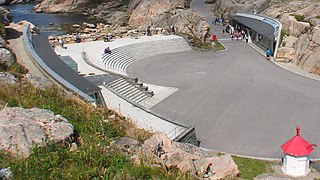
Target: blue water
{"points": [[42, 20]]}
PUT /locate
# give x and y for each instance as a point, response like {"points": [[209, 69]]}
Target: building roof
{"points": [[257, 25], [46, 53], [297, 146]]}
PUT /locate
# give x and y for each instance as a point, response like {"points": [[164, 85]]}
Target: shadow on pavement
{"points": [[12, 34]]}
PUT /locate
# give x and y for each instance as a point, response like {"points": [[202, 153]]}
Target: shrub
{"points": [[299, 17], [2, 30]]}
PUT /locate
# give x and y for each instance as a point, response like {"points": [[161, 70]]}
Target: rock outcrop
{"points": [[5, 16], [159, 149], [21, 129], [7, 56], [8, 2], [7, 78]]}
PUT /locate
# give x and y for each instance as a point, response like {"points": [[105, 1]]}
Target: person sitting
{"points": [[78, 40], [107, 50]]}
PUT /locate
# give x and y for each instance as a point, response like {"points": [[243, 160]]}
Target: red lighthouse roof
{"points": [[297, 146]]}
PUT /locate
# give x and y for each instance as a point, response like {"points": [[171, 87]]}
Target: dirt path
{"points": [[15, 39]]}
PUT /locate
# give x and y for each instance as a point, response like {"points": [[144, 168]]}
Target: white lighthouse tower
{"points": [[296, 160]]}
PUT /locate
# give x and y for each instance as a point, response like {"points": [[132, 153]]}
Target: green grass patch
{"points": [[318, 17], [15, 69], [299, 18], [218, 46], [250, 168]]}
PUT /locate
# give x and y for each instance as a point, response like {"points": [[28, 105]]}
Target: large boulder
{"points": [[5, 16], [21, 129], [223, 167]]}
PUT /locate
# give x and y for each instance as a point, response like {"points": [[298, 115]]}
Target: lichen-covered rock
{"points": [[7, 78], [21, 129]]}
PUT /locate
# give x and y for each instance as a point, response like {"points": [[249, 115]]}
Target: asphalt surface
{"points": [[239, 102]]}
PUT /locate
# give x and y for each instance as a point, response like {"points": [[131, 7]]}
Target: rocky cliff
{"points": [[300, 19], [138, 14], [8, 2]]}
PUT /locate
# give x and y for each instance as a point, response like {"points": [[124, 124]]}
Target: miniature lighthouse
{"points": [[296, 160]]}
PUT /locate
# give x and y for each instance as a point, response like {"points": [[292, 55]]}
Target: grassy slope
{"points": [[93, 160]]}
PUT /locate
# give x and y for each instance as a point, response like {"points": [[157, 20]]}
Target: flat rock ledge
{"points": [[21, 129]]}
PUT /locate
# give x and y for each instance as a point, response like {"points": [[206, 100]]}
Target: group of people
{"points": [[107, 38], [236, 33], [166, 31]]}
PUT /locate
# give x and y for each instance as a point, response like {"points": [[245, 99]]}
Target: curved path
{"points": [[238, 102]]}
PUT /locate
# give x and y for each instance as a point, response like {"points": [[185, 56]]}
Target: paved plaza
{"points": [[239, 102]]}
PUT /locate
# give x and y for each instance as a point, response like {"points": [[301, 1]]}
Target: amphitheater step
{"points": [[128, 90], [122, 57]]}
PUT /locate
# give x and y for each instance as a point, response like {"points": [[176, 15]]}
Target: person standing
{"points": [[268, 54], [246, 37], [61, 43]]}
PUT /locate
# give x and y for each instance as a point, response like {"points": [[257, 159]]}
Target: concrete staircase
{"points": [[130, 89], [122, 57]]}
